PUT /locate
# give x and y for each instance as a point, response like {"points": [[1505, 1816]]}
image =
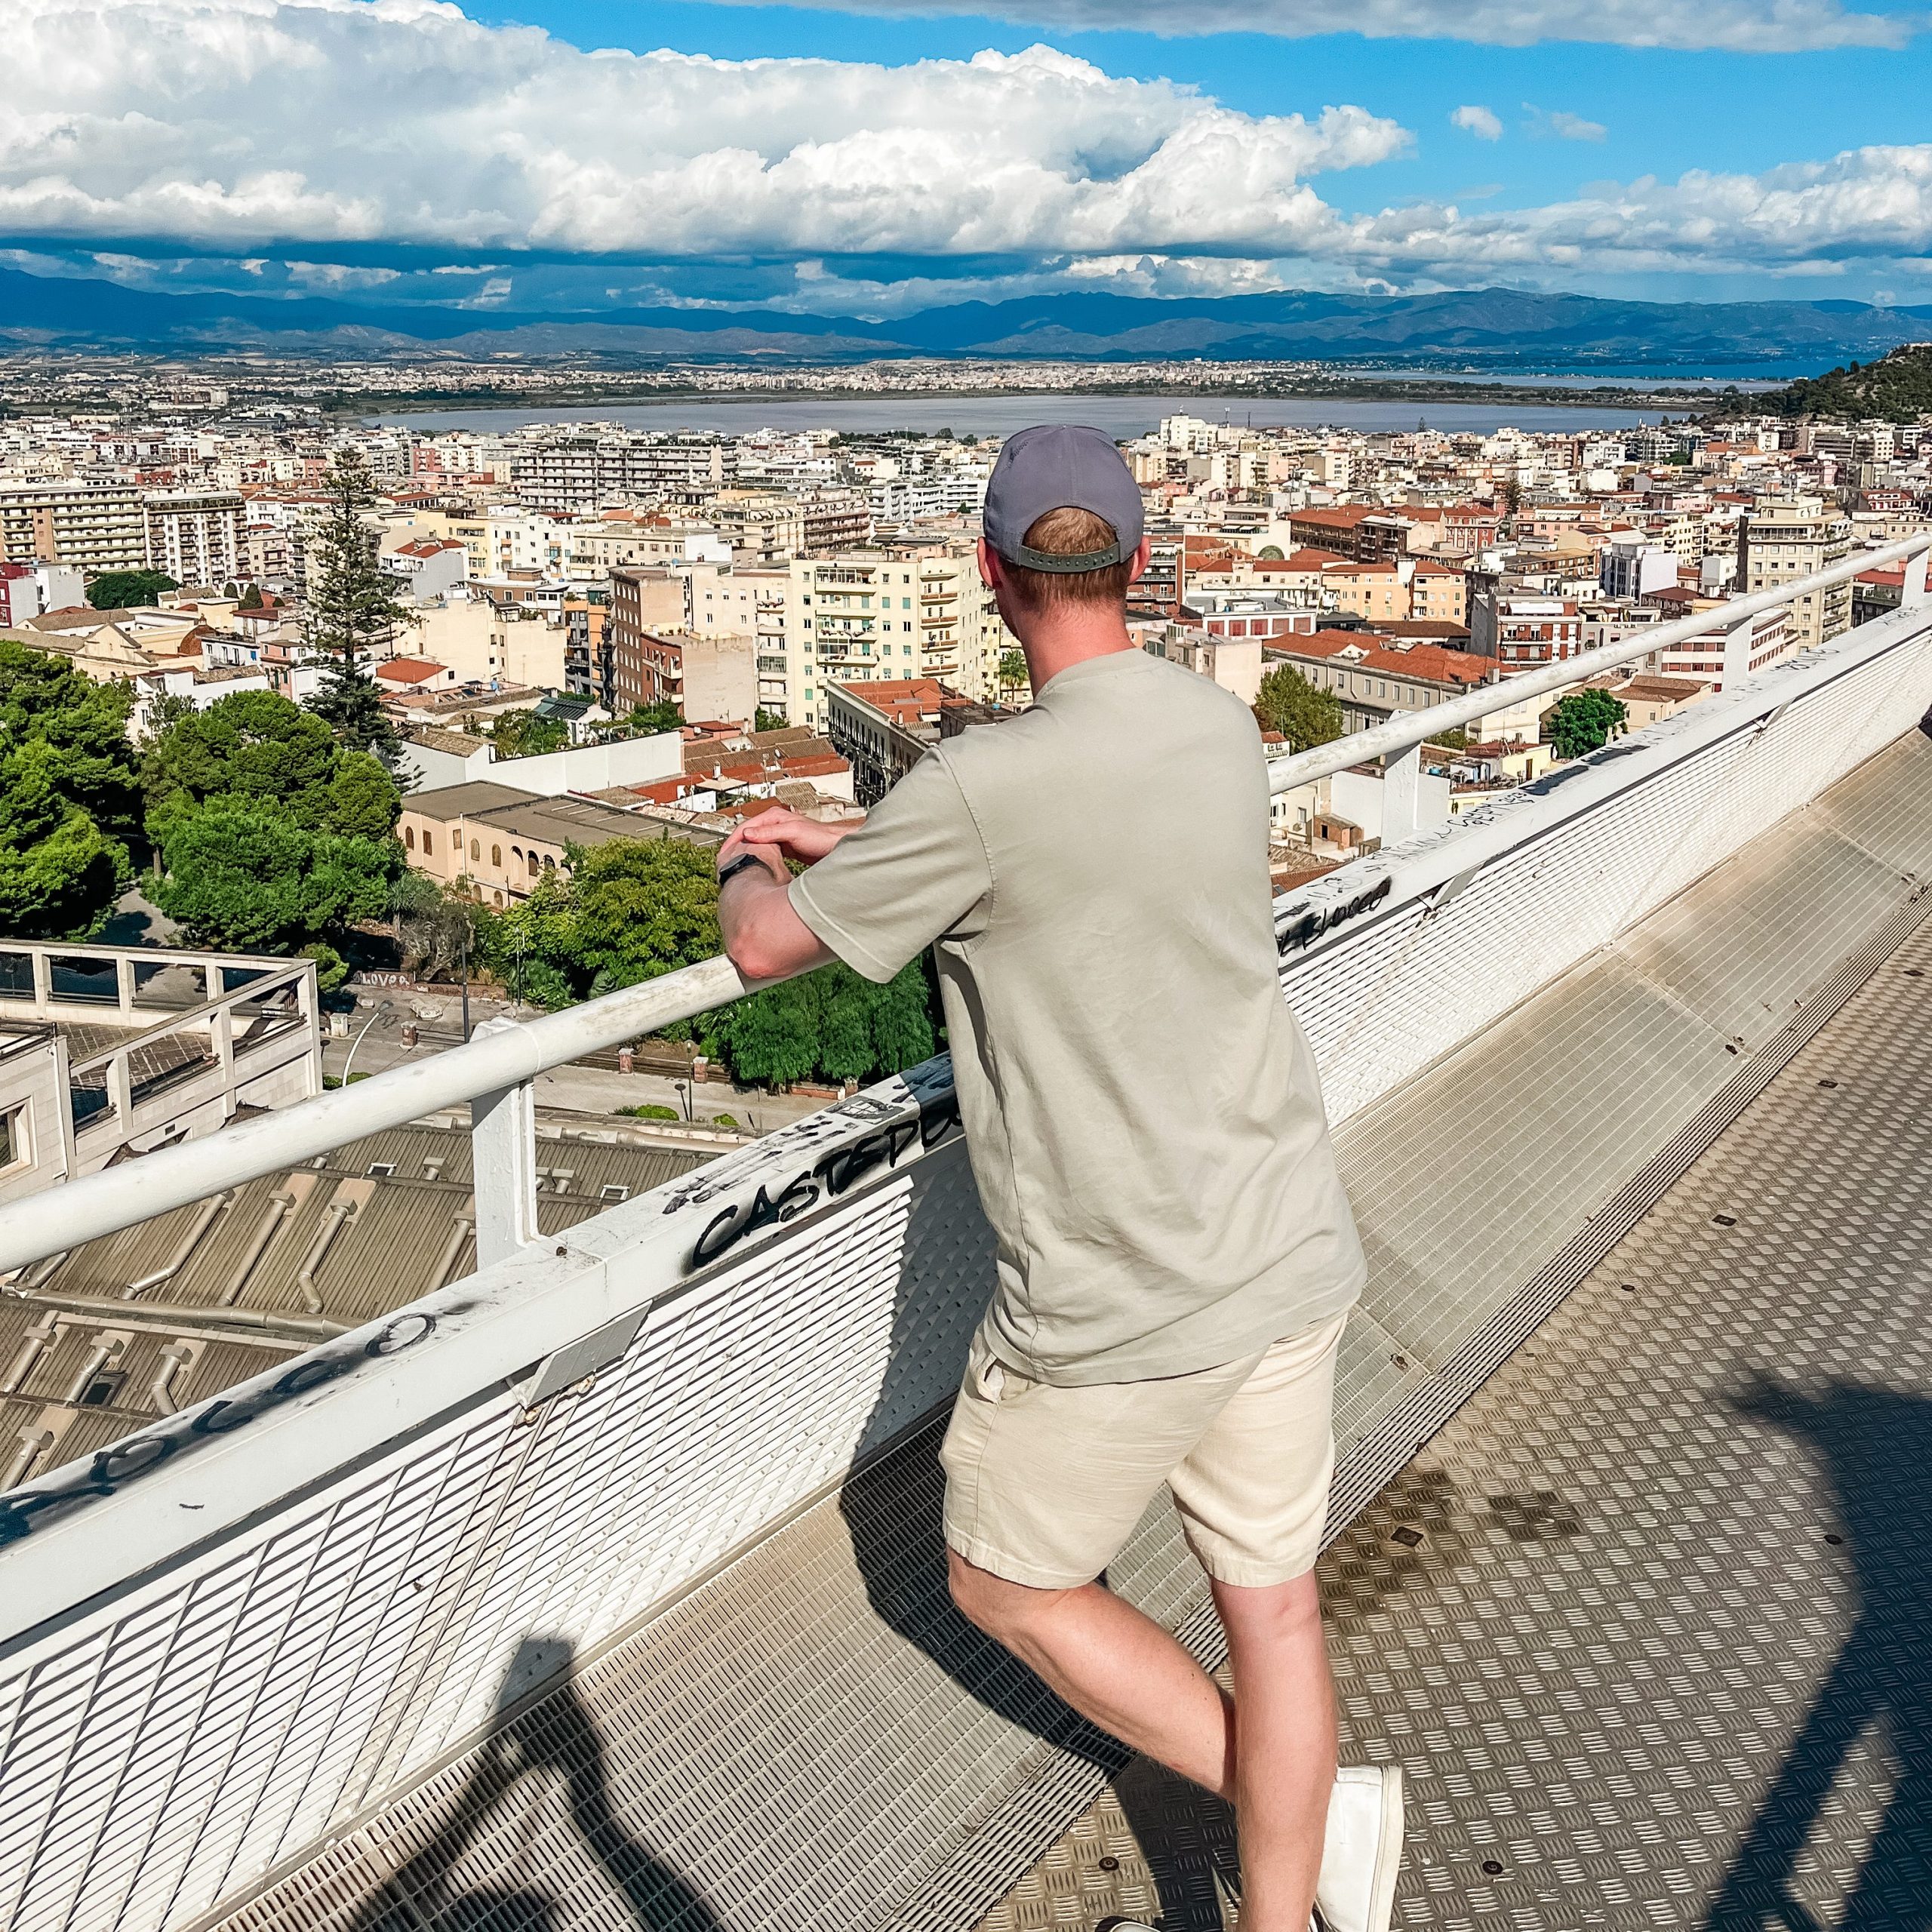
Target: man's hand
{"points": [[764, 935], [782, 833]]}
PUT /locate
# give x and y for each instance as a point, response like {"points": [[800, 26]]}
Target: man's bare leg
{"points": [[1122, 1671], [1284, 1746], [1116, 1668]]}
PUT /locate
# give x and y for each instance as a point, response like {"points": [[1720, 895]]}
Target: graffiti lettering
{"points": [[829, 1177], [1300, 933], [120, 1464]]}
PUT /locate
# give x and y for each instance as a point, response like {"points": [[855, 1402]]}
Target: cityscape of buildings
{"points": [[797, 599]]}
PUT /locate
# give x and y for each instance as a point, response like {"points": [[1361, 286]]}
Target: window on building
{"points": [[426, 845], [536, 864], [409, 838], [497, 858], [475, 850], [101, 1390], [13, 1147]]}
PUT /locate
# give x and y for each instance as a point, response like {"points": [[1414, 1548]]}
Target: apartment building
{"points": [[916, 611], [196, 537], [1786, 538], [96, 526]]}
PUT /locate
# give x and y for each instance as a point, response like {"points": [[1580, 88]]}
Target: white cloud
{"points": [[1564, 125], [1743, 26], [402, 121], [172, 120], [1480, 121]]}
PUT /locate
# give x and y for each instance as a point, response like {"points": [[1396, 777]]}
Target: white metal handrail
{"points": [[1412, 730], [495, 1069]]}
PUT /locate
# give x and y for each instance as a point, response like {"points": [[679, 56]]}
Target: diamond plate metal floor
{"points": [[1649, 1624]]}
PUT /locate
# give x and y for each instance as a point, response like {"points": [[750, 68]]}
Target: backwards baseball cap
{"points": [[1059, 467]]}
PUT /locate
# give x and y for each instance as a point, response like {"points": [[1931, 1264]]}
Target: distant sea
{"points": [[1120, 416]]}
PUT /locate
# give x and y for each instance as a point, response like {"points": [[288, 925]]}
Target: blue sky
{"points": [[567, 156]]}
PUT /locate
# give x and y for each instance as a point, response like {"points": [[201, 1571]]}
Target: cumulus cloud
{"points": [[1743, 26], [1480, 121], [417, 125], [1564, 125]]}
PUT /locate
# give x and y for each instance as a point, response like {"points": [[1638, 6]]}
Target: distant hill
{"points": [[1491, 329], [1897, 388]]}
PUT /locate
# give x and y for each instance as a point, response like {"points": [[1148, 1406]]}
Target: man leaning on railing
{"points": [[1176, 1257]]}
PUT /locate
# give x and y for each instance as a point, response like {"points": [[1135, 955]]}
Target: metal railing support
{"points": [[503, 1143], [1401, 794]]}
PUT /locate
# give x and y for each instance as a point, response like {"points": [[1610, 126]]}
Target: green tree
{"points": [[1583, 722], [845, 1049], [128, 590], [903, 1030], [435, 926], [252, 598], [645, 721], [354, 614], [68, 800], [257, 745], [241, 874], [769, 720], [1012, 673], [524, 734], [1304, 714], [771, 1039]]}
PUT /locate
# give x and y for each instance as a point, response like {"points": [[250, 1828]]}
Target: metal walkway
{"points": [[1649, 1624]]}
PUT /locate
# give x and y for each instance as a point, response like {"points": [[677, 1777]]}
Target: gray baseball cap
{"points": [[1060, 466]]}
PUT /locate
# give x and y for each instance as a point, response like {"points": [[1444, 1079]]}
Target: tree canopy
{"points": [[1897, 388], [634, 908], [272, 836], [647, 721], [354, 614], [1304, 714], [242, 875], [257, 745], [68, 796], [128, 590], [1584, 721]]}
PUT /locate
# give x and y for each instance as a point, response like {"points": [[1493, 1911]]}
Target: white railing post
{"points": [[1401, 794], [1737, 636], [1913, 590], [503, 1154]]}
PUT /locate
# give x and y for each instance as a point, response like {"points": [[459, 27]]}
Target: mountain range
{"points": [[1495, 328]]}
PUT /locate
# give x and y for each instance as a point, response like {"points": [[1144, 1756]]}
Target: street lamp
{"points": [[683, 1091], [383, 1006]]}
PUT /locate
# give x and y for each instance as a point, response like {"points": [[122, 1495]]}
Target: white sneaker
{"points": [[1356, 1891]]}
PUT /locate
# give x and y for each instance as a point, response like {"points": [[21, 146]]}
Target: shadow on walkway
{"points": [[1876, 1447], [542, 1774]]}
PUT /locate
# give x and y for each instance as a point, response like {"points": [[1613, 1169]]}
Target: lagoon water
{"points": [[977, 415]]}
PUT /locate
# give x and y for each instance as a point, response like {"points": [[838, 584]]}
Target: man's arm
{"points": [[764, 937]]}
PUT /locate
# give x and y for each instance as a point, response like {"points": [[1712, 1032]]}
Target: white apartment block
{"points": [[197, 536], [95, 526], [918, 611]]}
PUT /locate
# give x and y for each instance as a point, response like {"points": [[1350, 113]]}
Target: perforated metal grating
{"points": [[1663, 1655]]}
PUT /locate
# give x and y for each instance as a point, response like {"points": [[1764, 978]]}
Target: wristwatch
{"points": [[738, 865]]}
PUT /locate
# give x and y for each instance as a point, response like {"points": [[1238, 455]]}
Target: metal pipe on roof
{"points": [[190, 1242], [465, 1226], [185, 1318], [279, 1207], [335, 1217]]}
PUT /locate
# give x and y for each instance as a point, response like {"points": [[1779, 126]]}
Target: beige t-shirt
{"points": [[1141, 1112]]}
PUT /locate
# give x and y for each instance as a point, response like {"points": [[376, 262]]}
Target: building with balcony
{"points": [[92, 526], [196, 536], [106, 1051], [1784, 538]]}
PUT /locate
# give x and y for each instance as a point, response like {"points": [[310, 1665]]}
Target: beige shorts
{"points": [[1043, 1485]]}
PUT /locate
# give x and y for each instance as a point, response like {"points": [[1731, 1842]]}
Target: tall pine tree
{"points": [[353, 615]]}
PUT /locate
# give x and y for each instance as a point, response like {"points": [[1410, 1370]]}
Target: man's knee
{"points": [[1003, 1610]]}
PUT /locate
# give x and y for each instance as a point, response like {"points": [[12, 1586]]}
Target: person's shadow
{"points": [[546, 1758], [892, 1509], [1876, 1447]]}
